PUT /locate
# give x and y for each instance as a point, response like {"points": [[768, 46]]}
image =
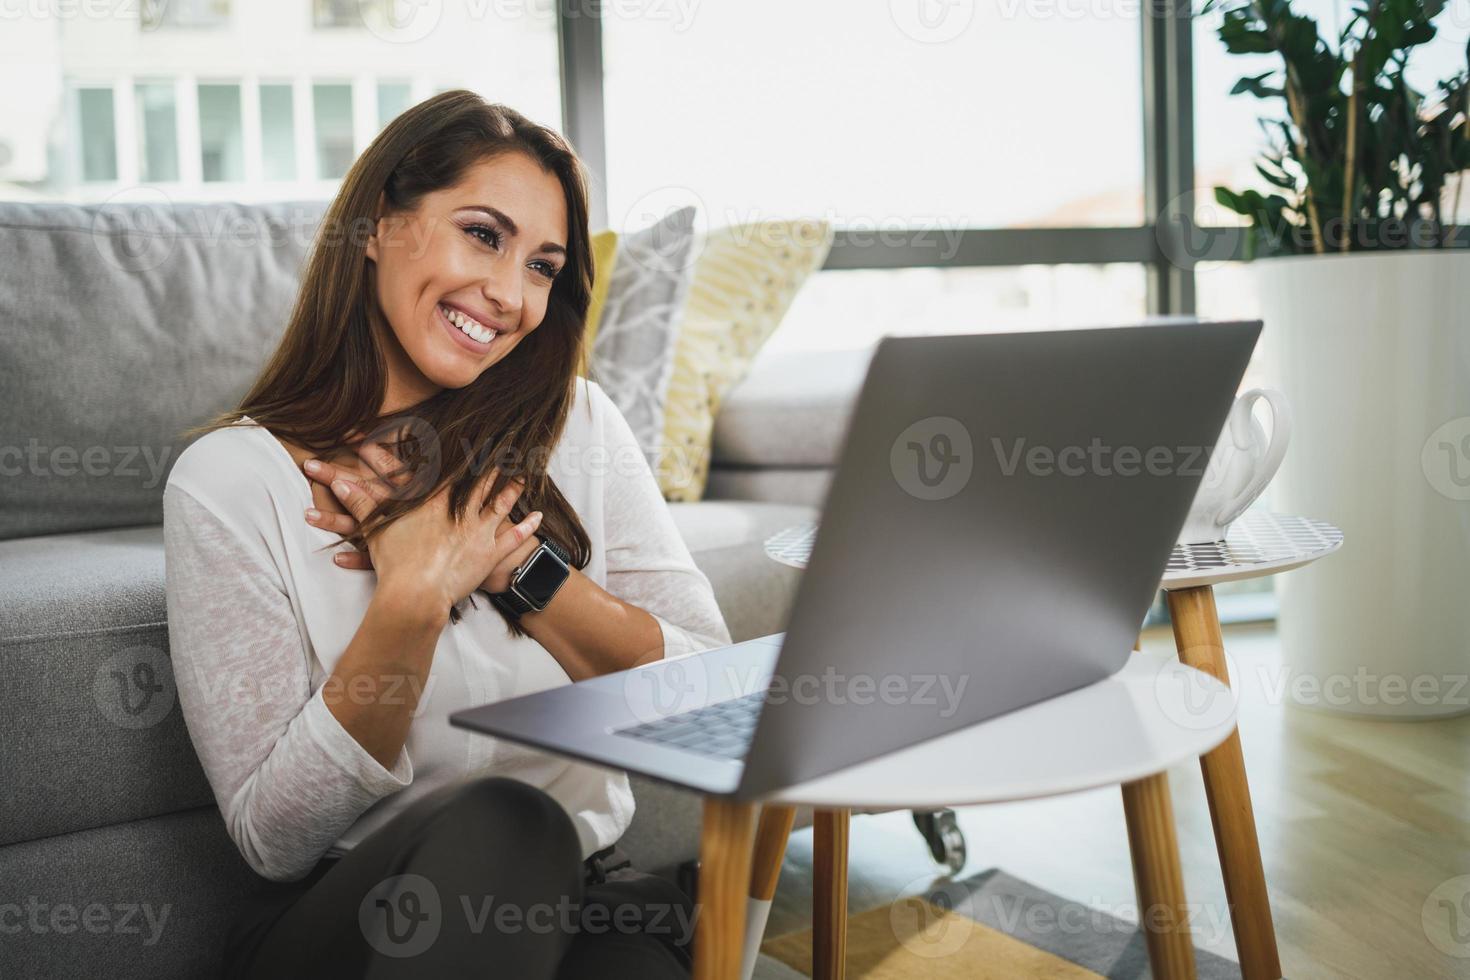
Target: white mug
{"points": [[1241, 465]]}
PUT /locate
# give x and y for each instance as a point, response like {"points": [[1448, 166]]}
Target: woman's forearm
{"points": [[375, 687], [590, 631]]}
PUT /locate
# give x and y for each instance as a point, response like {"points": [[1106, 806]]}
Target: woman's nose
{"points": [[502, 287]]}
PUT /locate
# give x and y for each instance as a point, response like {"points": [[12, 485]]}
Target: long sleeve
{"points": [[648, 563], [289, 779]]}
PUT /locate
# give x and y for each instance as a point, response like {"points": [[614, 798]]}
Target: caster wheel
{"points": [[943, 835]]}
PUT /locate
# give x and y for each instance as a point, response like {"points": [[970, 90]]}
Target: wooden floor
{"points": [[1359, 822]]}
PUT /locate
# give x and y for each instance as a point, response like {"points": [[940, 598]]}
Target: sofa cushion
{"points": [[92, 734], [153, 898], [727, 540], [806, 485], [791, 410], [120, 326]]}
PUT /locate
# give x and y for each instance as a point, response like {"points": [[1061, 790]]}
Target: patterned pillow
{"points": [[604, 256], [744, 281], [633, 349]]}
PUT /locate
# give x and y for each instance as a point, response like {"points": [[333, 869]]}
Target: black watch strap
{"points": [[512, 603]]}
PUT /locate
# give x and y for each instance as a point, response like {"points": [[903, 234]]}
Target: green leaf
{"points": [[1252, 84], [1277, 179]]}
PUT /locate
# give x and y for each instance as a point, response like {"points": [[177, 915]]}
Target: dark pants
{"points": [[483, 878]]}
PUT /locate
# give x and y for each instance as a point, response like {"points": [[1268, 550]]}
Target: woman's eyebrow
{"points": [[511, 226]]}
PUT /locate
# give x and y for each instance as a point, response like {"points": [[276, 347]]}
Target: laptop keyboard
{"points": [[722, 729]]}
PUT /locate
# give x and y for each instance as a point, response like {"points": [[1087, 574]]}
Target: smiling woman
{"points": [[467, 205], [428, 376], [470, 272]]}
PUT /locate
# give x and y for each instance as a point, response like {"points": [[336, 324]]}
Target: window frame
{"points": [[1163, 244]]}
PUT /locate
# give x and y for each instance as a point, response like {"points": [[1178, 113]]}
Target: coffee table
{"points": [[1259, 543], [1138, 722]]}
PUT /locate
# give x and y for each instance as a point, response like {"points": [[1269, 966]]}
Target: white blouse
{"points": [[258, 615]]}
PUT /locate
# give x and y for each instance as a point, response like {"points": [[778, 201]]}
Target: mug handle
{"points": [[1275, 449]]}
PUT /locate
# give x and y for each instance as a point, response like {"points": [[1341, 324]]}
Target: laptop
{"points": [[993, 536]]}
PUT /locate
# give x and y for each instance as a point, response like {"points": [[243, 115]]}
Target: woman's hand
{"points": [[376, 479]]}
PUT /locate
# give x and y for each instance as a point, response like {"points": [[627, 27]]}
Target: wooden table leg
{"points": [[771, 837], [724, 879], [1197, 636], [1157, 878], [829, 901]]}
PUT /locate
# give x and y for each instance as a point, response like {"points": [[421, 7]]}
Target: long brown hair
{"points": [[328, 377]]}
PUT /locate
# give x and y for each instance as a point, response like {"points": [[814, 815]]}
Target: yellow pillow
{"points": [[604, 254], [744, 281]]}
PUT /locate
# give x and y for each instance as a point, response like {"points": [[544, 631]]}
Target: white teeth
{"points": [[469, 327]]}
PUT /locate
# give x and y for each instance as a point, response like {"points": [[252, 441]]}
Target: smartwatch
{"points": [[535, 580]]}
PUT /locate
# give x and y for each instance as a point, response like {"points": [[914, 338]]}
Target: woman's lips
{"points": [[459, 336]]}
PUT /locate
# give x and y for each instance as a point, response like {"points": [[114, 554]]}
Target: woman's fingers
{"points": [[354, 559], [526, 547], [494, 509], [330, 521], [350, 493], [513, 537], [482, 489], [384, 463], [324, 472]]}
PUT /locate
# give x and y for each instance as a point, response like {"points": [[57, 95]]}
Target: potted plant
{"points": [[1364, 287]]}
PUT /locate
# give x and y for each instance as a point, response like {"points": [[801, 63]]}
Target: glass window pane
{"points": [[99, 134], [183, 13], [989, 115], [158, 131], [337, 13], [393, 98], [221, 149], [852, 308], [277, 132], [332, 108]]}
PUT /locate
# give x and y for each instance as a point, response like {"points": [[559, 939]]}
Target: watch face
{"points": [[539, 582]]}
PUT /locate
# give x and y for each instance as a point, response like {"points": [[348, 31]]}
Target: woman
{"points": [[323, 542]]}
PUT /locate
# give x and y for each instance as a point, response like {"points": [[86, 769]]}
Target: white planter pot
{"points": [[1374, 353]]}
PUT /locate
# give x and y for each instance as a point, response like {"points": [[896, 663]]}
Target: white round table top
{"points": [[1259, 543], [1152, 714]]}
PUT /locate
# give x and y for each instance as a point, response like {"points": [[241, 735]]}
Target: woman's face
{"points": [[479, 255]]}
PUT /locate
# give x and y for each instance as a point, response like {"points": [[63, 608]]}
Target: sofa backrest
{"points": [[121, 325]]}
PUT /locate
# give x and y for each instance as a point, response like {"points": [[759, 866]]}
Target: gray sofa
{"points": [[119, 326]]}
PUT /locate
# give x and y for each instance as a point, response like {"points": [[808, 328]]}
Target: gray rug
{"points": [[1073, 931]]}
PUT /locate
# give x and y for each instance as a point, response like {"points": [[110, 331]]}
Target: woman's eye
{"points": [[492, 236], [546, 269]]}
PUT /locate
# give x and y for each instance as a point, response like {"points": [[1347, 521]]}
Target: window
{"points": [[332, 110], [393, 98], [99, 134], [221, 149], [992, 116], [220, 99], [277, 132], [154, 14], [351, 13], [158, 131], [852, 308]]}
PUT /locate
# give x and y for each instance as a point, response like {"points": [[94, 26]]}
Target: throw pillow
{"points": [[744, 281], [633, 351], [604, 254]]}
